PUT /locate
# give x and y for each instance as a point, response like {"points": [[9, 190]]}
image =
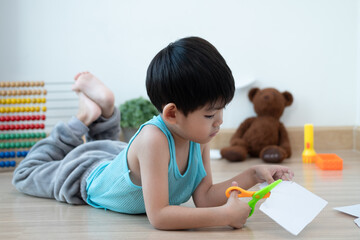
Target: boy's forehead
{"points": [[214, 106]]}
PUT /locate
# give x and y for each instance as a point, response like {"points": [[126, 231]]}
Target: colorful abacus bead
{"points": [[6, 127], [21, 153], [17, 144], [6, 164], [22, 135], [10, 154], [13, 118]]}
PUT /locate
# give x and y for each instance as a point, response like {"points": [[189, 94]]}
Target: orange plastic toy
{"points": [[329, 161], [325, 161]]}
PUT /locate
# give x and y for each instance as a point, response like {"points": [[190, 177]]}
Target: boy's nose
{"points": [[219, 120]]}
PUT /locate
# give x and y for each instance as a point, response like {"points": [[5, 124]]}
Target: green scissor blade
{"points": [[260, 194]]}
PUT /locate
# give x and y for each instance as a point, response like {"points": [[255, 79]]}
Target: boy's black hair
{"points": [[190, 73]]}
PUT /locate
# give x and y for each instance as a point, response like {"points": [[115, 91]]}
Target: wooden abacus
{"points": [[23, 112], [22, 84]]}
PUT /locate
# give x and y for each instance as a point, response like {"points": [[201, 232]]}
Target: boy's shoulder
{"points": [[149, 142], [151, 135]]}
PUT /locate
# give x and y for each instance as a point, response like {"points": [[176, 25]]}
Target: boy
{"points": [[165, 163]]}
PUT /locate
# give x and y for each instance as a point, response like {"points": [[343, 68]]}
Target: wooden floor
{"points": [[25, 217]]}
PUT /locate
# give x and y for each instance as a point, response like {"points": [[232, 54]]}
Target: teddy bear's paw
{"points": [[232, 154], [272, 155]]}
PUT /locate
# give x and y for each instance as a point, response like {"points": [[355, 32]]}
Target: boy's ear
{"points": [[169, 113]]}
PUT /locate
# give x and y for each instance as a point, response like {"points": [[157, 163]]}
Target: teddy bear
{"points": [[262, 136]]}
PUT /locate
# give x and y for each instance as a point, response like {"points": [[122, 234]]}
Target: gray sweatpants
{"points": [[57, 166]]}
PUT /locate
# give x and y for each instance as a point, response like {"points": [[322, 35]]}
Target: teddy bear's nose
{"points": [[266, 97]]}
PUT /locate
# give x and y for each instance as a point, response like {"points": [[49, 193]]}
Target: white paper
{"points": [[215, 154], [292, 206], [353, 210], [357, 221]]}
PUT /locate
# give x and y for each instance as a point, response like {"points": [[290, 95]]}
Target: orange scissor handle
{"points": [[243, 193]]}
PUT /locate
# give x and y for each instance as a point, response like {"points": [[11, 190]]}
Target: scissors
{"points": [[256, 195]]}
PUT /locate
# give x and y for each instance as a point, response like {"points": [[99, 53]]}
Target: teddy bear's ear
{"points": [[252, 93], [288, 98]]}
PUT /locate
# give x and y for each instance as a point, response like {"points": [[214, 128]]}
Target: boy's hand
{"points": [[237, 211], [271, 173]]}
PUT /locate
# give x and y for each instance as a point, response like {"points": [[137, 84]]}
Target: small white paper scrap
{"points": [[292, 206], [357, 221], [353, 210], [215, 154]]}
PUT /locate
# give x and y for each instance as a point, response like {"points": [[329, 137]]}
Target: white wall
{"points": [[308, 47]]}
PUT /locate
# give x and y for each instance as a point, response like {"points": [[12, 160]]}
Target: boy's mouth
{"points": [[213, 134]]}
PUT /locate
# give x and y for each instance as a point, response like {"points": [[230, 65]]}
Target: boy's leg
{"points": [[49, 169], [108, 125], [93, 88], [39, 173], [104, 128], [88, 110]]}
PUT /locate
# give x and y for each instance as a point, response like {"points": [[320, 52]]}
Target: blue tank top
{"points": [[109, 185]]}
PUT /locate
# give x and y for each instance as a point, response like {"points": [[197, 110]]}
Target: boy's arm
{"points": [[154, 160], [208, 194]]}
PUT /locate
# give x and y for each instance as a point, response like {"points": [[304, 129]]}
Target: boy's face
{"points": [[201, 125]]}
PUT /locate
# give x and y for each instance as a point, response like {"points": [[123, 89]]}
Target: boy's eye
{"points": [[209, 116]]}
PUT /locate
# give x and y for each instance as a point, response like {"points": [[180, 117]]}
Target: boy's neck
{"points": [[178, 140]]}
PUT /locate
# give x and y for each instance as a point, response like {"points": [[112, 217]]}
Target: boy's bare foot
{"points": [[88, 111], [92, 87]]}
